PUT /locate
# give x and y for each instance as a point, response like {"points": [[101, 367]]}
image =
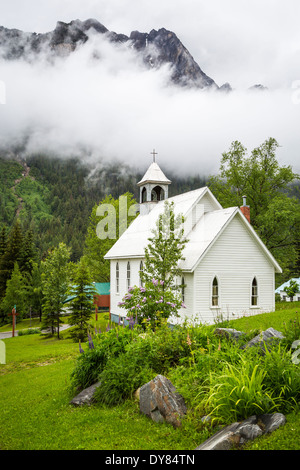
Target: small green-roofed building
{"points": [[102, 299]]}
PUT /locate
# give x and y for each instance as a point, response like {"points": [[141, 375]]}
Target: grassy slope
{"points": [[36, 414]]}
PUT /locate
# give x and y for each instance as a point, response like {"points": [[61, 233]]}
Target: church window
{"points": [[141, 270], [254, 293], [182, 289], [128, 275], [144, 195], [117, 278], [215, 293], [157, 194]]}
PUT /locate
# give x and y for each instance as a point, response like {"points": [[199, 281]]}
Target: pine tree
{"points": [[11, 255], [15, 294], [28, 253], [82, 303], [3, 241]]}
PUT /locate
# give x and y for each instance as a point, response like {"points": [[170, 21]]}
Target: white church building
{"points": [[228, 272]]}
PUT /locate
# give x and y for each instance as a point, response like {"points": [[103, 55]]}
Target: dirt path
{"points": [[25, 174]]}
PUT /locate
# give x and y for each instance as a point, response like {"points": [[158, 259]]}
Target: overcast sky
{"points": [[243, 42]]}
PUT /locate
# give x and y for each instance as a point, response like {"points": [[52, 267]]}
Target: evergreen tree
{"points": [[11, 255], [3, 241], [82, 303], [34, 289], [55, 284], [15, 294], [28, 253]]}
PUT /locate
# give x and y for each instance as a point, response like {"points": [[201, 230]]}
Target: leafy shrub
{"points": [[291, 331], [238, 392], [91, 362], [29, 331], [120, 379], [283, 377]]}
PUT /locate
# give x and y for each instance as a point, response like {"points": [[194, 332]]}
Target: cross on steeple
{"points": [[153, 153]]}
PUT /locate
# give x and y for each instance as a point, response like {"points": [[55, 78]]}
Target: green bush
{"points": [[283, 377], [95, 355], [121, 378], [238, 392], [29, 331]]}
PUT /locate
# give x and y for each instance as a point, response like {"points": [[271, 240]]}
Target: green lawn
{"points": [[36, 414]]}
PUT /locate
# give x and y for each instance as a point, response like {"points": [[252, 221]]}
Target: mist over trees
{"points": [[46, 201]]}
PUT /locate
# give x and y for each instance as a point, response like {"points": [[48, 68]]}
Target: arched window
{"points": [[144, 195], [182, 289], [254, 293], [157, 194], [128, 275], [141, 270], [117, 278], [215, 293]]}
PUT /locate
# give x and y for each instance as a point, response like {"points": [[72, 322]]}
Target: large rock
{"points": [[160, 401], [237, 434], [265, 339], [229, 333], [85, 397]]}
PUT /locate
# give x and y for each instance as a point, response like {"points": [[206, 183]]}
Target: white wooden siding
{"points": [[235, 259]]}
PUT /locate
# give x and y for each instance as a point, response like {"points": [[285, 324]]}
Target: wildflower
{"points": [[162, 283], [183, 305], [127, 296], [144, 299], [91, 344], [188, 340], [108, 327], [142, 289], [155, 282], [121, 303], [80, 348], [130, 289]]}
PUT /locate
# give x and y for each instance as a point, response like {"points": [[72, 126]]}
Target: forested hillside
{"points": [[54, 198]]}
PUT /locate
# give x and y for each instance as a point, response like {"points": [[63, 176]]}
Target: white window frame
{"points": [[254, 295], [117, 278], [128, 274], [212, 292]]}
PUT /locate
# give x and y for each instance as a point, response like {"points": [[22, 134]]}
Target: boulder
{"points": [[229, 333], [265, 339], [237, 434], [85, 397], [160, 401]]}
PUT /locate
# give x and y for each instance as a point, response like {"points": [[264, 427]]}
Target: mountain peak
{"points": [[159, 47]]}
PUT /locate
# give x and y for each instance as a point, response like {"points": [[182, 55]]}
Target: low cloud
{"points": [[100, 102]]}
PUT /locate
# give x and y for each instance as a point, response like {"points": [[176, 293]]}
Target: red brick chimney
{"points": [[245, 209]]}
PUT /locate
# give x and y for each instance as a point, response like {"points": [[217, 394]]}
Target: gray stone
{"points": [[230, 333], [160, 401], [85, 397], [271, 422], [265, 339], [237, 434]]}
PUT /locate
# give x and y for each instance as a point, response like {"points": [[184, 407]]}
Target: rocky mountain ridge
{"points": [[157, 48]]}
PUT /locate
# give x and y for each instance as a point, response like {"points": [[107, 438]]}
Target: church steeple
{"points": [[153, 187]]}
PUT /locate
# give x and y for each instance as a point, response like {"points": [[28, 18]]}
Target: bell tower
{"points": [[153, 187]]}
